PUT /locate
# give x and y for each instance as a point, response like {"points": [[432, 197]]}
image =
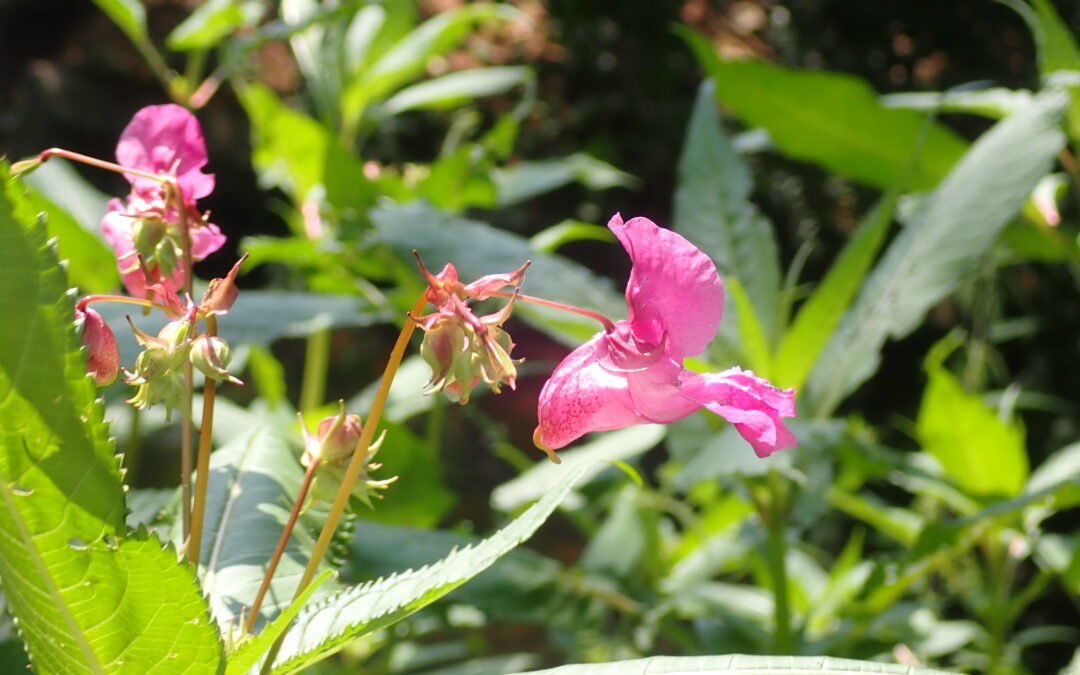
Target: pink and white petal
{"points": [[673, 287], [656, 394], [163, 139], [582, 396], [750, 403], [205, 239]]}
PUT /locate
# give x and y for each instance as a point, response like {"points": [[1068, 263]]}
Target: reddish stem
{"points": [[99, 163], [609, 326]]}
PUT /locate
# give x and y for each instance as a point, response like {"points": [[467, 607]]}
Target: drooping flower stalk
{"points": [[337, 508], [607, 323]]}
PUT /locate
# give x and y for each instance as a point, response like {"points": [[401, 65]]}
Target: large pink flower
{"points": [[145, 230], [165, 139], [634, 373]]}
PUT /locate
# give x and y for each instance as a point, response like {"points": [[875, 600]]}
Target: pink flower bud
{"points": [[102, 354], [335, 440]]}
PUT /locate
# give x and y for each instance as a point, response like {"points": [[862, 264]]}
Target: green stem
{"points": [[283, 541], [131, 449], [776, 545], [185, 455], [202, 467], [352, 471], [316, 362]]}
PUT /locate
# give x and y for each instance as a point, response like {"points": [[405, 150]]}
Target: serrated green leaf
{"points": [[455, 89], [327, 626], [477, 249], [831, 119], [822, 312], [88, 598], [249, 653], [254, 480], [129, 15], [959, 223], [712, 210], [529, 179], [738, 664]]}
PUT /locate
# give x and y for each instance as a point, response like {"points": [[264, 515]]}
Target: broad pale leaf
{"points": [[832, 119], [212, 22], [477, 249], [89, 598], [254, 480], [329, 625], [525, 180], [738, 664], [712, 210], [958, 225]]}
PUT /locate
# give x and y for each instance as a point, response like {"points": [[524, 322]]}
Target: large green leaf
{"points": [[956, 226], [254, 480], [89, 598], [455, 89], [738, 664], [712, 209], [983, 454], [477, 249], [327, 626], [818, 318], [832, 119]]}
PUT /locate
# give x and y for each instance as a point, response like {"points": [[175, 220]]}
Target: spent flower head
{"points": [[333, 446], [460, 347]]}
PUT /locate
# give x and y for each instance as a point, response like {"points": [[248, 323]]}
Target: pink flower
{"points": [[634, 373], [165, 139], [145, 231]]}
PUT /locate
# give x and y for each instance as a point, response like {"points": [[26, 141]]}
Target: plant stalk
{"points": [[776, 545], [609, 326], [283, 541], [202, 467], [337, 509], [316, 362]]}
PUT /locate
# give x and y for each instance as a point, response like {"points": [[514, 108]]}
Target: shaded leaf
{"points": [[959, 224], [455, 89], [832, 119], [738, 664], [529, 179]]}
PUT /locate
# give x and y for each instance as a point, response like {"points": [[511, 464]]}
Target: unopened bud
{"points": [[222, 293], [102, 354], [211, 355], [146, 234]]}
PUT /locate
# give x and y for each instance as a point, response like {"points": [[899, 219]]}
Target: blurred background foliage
{"points": [[928, 516]]}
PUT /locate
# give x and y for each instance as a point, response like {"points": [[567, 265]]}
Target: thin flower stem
{"points": [[279, 550], [316, 361], [86, 300], [99, 163], [185, 456], [337, 509], [609, 326], [776, 545], [202, 465]]}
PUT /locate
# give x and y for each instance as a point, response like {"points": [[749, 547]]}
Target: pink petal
{"points": [[583, 396], [749, 402], [673, 288], [117, 227], [656, 394], [165, 139], [205, 239]]}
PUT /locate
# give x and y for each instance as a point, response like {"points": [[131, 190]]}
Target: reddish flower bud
{"points": [[222, 293], [102, 354]]}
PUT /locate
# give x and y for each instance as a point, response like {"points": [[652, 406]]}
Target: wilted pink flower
{"points": [[634, 373], [102, 354], [145, 230]]}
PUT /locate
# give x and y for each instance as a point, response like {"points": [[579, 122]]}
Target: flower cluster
{"points": [[461, 347], [148, 230], [332, 446], [633, 373]]}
